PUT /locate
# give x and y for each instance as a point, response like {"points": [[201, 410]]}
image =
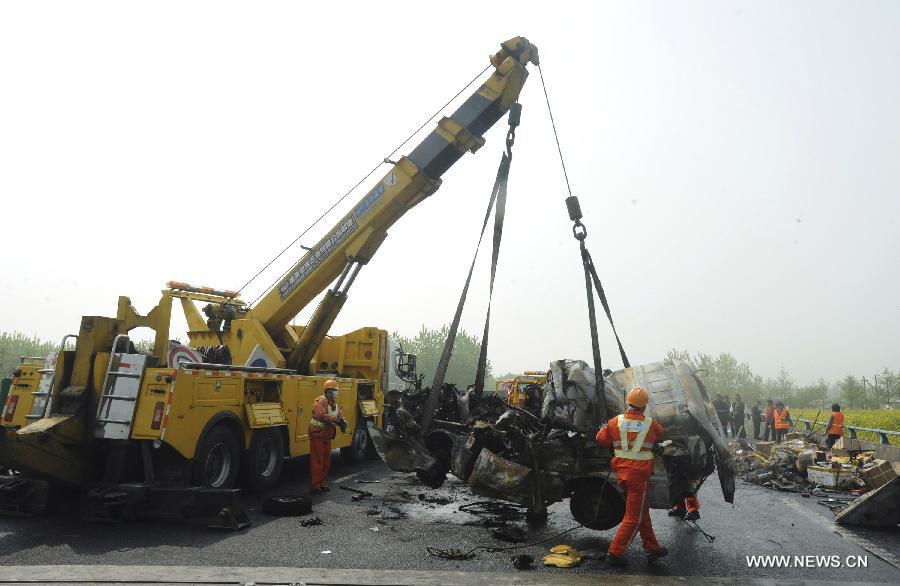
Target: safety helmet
{"points": [[330, 384], [637, 397]]}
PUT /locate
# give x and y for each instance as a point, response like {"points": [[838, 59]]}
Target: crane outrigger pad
{"points": [[217, 508]]}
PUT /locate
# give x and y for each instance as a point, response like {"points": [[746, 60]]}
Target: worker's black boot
{"points": [[655, 555], [693, 516], [325, 487], [616, 561], [676, 512]]}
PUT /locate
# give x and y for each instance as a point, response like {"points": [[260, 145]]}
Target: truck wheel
{"points": [[216, 460], [262, 463], [287, 504], [597, 505], [360, 444]]}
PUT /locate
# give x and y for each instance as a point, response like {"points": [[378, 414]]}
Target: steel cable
{"points": [[555, 135]]}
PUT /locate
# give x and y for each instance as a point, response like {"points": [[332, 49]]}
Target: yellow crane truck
{"points": [[170, 432]]}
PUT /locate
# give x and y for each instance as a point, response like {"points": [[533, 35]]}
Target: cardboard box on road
{"points": [[765, 448], [878, 475]]}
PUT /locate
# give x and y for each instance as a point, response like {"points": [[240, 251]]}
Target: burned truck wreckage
{"points": [[536, 459]]}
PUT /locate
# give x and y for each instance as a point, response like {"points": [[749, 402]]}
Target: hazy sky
{"points": [[737, 164]]}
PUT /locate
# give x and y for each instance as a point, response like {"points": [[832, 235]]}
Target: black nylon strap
{"points": [[590, 270], [441, 370], [503, 175]]}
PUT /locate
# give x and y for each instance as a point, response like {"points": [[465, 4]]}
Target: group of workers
{"points": [[731, 415]]}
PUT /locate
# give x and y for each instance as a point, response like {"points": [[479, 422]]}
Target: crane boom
{"points": [[355, 238]]}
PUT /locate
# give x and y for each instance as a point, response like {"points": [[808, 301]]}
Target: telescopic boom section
{"points": [[353, 241]]}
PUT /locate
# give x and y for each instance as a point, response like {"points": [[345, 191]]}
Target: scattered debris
{"points": [[523, 561], [311, 523], [326, 551], [375, 529], [846, 481], [359, 494], [366, 481]]}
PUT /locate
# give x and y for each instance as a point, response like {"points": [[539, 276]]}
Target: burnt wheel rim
{"points": [[218, 465], [268, 458]]}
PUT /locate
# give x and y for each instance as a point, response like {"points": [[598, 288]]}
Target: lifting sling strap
{"points": [[498, 195], [591, 282]]}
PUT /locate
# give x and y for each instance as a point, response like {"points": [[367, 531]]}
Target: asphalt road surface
{"points": [[392, 529]]}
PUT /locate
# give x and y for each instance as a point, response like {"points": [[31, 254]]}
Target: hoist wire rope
{"points": [[349, 191], [555, 134]]}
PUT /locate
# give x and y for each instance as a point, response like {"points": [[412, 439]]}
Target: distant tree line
{"points": [[724, 375], [721, 374]]}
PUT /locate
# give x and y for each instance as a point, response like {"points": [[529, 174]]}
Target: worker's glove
{"points": [[342, 423]]}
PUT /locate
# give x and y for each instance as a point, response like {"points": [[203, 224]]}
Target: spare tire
{"points": [[287, 505]]}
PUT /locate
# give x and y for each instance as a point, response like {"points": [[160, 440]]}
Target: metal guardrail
{"points": [[884, 433]]}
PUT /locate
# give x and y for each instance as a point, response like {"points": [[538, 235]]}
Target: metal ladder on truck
{"points": [[119, 394], [41, 406]]}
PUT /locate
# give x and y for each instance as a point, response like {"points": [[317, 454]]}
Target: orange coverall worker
{"points": [[321, 432], [835, 428], [633, 465]]}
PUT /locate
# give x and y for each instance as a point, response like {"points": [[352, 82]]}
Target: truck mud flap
{"points": [[22, 496], [215, 508]]}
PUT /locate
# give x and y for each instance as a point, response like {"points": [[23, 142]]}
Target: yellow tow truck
{"points": [[524, 391], [169, 433]]}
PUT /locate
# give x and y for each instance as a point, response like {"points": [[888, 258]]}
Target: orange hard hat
{"points": [[637, 397], [330, 384]]}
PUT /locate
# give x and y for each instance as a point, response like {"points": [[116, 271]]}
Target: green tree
{"points": [[14, 345], [428, 345], [812, 395], [851, 392]]}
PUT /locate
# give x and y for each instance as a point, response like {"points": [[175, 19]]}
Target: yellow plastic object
{"points": [[562, 556]]}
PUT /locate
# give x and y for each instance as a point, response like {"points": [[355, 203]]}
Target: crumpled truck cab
{"points": [[511, 454]]}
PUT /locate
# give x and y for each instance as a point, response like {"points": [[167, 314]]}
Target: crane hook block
{"points": [[574, 208], [515, 114]]}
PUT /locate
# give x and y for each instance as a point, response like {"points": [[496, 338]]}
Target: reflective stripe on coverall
{"points": [[632, 435]]}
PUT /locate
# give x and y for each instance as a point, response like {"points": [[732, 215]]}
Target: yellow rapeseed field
{"points": [[875, 418]]}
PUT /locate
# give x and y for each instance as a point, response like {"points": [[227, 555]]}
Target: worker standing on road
{"points": [[632, 436], [737, 417], [770, 421], [835, 428], [326, 414], [757, 418], [782, 421], [721, 406]]}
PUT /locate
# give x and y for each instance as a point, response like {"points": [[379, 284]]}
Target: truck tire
{"points": [[360, 446], [596, 504], [217, 459], [287, 505], [262, 463]]}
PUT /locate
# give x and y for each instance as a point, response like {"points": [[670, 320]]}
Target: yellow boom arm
{"points": [[357, 236]]}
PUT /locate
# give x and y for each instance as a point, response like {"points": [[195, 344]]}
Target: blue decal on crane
{"points": [[314, 258], [369, 200]]}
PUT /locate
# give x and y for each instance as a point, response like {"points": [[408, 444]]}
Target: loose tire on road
{"points": [[262, 463], [361, 446], [287, 505], [217, 459]]}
